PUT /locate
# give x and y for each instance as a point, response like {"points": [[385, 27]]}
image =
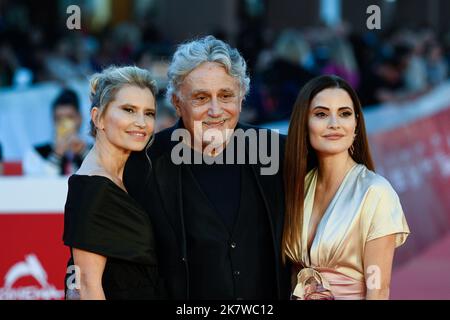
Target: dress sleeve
{"points": [[386, 215], [96, 220]]}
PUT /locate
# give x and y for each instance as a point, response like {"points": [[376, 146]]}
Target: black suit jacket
{"points": [[157, 187]]}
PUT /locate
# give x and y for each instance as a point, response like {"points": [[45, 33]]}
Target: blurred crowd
{"points": [[392, 67], [395, 65], [33, 53]]}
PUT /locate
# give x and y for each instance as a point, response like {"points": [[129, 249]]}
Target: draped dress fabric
{"points": [[102, 218], [365, 207]]}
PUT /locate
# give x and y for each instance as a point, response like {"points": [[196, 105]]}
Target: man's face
{"points": [[208, 98]]}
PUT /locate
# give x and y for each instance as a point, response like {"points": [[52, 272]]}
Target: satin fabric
{"points": [[339, 286], [365, 207]]}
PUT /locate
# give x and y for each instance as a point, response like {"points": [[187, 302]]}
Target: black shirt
{"points": [[221, 184]]}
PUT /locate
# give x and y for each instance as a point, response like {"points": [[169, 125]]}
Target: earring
{"points": [[352, 149]]}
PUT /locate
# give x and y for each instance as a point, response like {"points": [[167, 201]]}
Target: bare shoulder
{"points": [[93, 172], [90, 168]]}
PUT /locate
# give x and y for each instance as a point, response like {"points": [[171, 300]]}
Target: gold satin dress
{"points": [[365, 207]]}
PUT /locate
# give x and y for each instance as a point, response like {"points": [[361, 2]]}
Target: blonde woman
{"points": [[109, 234]]}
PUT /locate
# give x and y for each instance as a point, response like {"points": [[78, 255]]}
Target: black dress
{"points": [[102, 218]]}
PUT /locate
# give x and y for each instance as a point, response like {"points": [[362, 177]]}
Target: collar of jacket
{"points": [[168, 180]]}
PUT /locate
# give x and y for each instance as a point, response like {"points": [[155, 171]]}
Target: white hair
{"points": [[208, 49]]}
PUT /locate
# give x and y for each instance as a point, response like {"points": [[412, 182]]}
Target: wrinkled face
{"points": [[128, 120], [331, 122], [208, 98]]}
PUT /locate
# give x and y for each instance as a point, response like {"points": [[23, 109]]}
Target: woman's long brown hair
{"points": [[300, 157]]}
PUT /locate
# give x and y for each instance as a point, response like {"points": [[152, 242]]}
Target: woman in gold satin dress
{"points": [[343, 221]]}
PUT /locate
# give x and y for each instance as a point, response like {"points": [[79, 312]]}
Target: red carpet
{"points": [[425, 277]]}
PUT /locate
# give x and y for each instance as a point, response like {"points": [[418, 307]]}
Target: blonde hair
{"points": [[104, 86]]}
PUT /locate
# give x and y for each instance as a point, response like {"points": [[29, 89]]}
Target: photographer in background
{"points": [[65, 154]]}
